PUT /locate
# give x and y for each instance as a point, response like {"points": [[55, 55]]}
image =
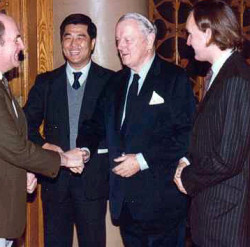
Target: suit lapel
{"points": [[90, 92], [223, 73], [58, 87], [8, 100], [19, 121], [144, 96], [121, 96], [149, 82]]}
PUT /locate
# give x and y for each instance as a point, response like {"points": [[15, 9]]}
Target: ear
{"points": [[93, 44], [208, 36], [151, 41]]}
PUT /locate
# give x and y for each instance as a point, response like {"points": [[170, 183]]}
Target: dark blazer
{"points": [[48, 101], [218, 177], [160, 132], [17, 155]]}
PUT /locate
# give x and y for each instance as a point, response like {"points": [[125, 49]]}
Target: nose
{"points": [[120, 45], [21, 44], [74, 42]]}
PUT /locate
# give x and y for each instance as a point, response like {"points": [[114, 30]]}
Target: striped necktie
{"points": [[207, 81]]}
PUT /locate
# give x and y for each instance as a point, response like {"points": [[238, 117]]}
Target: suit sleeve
{"points": [[170, 140], [17, 151], [228, 156], [34, 109], [92, 131]]}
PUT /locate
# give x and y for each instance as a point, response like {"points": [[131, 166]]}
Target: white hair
{"points": [[145, 25]]}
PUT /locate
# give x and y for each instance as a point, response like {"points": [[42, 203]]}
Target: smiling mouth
{"points": [[74, 53], [124, 55]]}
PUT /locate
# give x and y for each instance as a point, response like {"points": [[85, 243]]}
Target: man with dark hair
{"points": [[17, 154], [63, 99], [218, 175], [146, 116]]}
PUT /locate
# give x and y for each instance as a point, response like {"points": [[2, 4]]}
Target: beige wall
{"points": [[104, 14]]}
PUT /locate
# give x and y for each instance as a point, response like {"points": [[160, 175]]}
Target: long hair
{"points": [[220, 18]]}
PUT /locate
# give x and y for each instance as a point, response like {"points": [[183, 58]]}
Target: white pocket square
{"points": [[156, 99]]}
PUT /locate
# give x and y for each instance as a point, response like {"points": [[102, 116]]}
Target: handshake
{"points": [[73, 159]]}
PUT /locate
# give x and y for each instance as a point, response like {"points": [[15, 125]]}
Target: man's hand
{"points": [[128, 165], [52, 147], [73, 159], [177, 177], [31, 182]]}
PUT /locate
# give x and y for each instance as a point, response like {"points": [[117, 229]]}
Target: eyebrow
{"points": [[80, 34]]}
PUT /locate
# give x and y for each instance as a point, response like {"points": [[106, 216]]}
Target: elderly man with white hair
{"points": [[146, 116]]}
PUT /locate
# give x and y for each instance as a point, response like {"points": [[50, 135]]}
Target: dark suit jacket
{"points": [[160, 132], [218, 177], [17, 155], [48, 101]]}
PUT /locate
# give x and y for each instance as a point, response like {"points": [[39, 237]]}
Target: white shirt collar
{"points": [[84, 70], [1, 75], [143, 73], [219, 63]]}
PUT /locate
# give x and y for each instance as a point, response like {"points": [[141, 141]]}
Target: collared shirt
{"points": [[1, 75], [143, 73], [219, 63], [84, 70]]}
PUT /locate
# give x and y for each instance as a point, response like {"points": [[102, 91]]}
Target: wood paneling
{"points": [[40, 43], [45, 35]]}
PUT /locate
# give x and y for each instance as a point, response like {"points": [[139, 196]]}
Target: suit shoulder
{"points": [[50, 74], [239, 67], [101, 70], [114, 82], [171, 68]]}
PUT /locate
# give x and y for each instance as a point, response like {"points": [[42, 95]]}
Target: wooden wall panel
{"points": [[45, 35], [40, 37]]}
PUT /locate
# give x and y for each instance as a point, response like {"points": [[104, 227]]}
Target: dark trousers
{"points": [[69, 208], [146, 234]]}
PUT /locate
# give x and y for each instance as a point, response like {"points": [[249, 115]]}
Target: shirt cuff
{"points": [[142, 162], [86, 149], [185, 160]]}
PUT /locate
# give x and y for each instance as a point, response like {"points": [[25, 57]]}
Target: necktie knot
{"points": [[133, 89], [76, 83], [136, 78]]}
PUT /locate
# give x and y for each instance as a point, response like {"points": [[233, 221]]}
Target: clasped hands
{"points": [[73, 159]]}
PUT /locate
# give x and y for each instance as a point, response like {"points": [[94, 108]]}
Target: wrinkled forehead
{"points": [[129, 26]]}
